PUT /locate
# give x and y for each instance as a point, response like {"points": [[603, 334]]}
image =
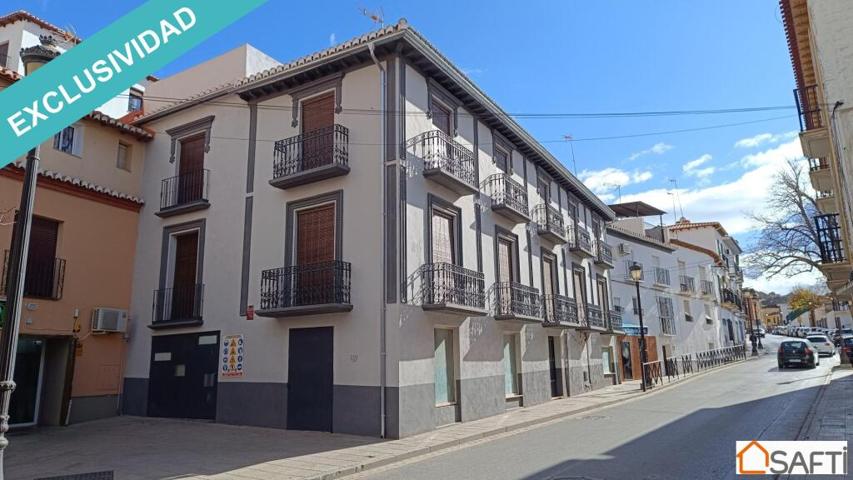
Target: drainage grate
{"points": [[108, 475]]}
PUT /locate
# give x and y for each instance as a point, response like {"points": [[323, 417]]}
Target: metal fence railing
{"points": [[671, 369]]}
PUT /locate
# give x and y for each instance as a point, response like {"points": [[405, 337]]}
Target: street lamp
{"points": [[33, 58], [636, 272]]}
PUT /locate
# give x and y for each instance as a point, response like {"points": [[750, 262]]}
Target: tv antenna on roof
{"points": [[376, 16], [568, 138]]}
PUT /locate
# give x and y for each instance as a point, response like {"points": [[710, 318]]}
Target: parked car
{"points": [[837, 336], [761, 332], [847, 345], [797, 352], [822, 344]]}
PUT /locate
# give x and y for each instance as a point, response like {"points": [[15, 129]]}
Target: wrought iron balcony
{"points": [[614, 320], [729, 297], [707, 288], [580, 241], [549, 223], [661, 276], [445, 161], [808, 108], [184, 193], [45, 277], [604, 254], [829, 237], [514, 301], [509, 198], [308, 289], [452, 288], [560, 311], [594, 317], [180, 305], [687, 285], [311, 156]]}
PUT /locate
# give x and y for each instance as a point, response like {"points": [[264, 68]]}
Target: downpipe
{"points": [[383, 310]]}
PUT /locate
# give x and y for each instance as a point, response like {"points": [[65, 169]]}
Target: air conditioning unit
{"points": [[107, 320], [624, 249]]}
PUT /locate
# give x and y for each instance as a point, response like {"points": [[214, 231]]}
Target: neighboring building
{"points": [[679, 291], [838, 314], [771, 316], [818, 35], [21, 29], [378, 273], [79, 271], [712, 237], [752, 308]]}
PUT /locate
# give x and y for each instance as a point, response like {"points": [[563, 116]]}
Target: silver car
{"points": [[822, 344]]}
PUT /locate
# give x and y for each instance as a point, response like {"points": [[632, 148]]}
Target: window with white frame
{"points": [[688, 315], [69, 140]]}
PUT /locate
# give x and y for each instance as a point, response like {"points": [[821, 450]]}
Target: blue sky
{"points": [[578, 57]]}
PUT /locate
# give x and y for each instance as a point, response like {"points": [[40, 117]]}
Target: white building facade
{"points": [[361, 241]]}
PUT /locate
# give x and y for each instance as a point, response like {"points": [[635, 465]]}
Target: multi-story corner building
{"points": [[818, 36], [361, 241], [21, 29], [713, 238], [678, 293], [79, 269]]}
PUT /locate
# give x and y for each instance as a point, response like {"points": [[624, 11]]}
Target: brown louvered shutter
{"points": [[184, 281], [190, 169], [318, 118], [315, 248], [41, 259], [440, 117]]}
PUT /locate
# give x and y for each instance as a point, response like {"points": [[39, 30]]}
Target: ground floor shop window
{"points": [[510, 366], [445, 377], [607, 361]]}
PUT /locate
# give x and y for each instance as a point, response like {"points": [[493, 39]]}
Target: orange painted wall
{"points": [[98, 241]]}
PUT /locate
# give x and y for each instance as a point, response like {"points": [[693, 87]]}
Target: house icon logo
{"points": [[751, 458]]}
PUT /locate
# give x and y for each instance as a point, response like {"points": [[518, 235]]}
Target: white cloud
{"points": [[333, 40], [764, 138], [657, 149], [729, 203], [692, 169], [604, 181], [780, 284]]}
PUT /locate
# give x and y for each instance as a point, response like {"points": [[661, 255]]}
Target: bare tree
{"points": [[787, 243]]}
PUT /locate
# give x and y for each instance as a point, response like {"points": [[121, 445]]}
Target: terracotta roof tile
{"points": [[61, 177], [23, 15]]}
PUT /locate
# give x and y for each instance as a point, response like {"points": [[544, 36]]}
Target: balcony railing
{"points": [[445, 161], [614, 320], [311, 156], [45, 277], [667, 325], [816, 164], [808, 108], [594, 317], [604, 254], [707, 288], [181, 304], [306, 289], [729, 296], [514, 301], [560, 311], [661, 276], [549, 223], [686, 284], [184, 193], [450, 287], [580, 241], [508, 196], [829, 238]]}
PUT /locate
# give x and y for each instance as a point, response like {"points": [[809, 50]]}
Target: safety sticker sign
{"points": [[232, 356]]}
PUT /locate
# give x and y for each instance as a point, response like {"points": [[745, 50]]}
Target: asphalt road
{"points": [[684, 432]]}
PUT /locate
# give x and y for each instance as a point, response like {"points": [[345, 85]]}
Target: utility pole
{"points": [[33, 58]]}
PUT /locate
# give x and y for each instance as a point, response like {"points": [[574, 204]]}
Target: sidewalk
{"points": [[137, 448], [832, 417]]}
